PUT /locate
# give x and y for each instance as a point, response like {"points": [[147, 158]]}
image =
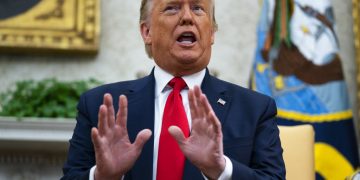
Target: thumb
{"points": [[177, 134], [95, 137], [142, 137]]}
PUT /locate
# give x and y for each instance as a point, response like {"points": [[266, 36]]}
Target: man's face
{"points": [[180, 33]]}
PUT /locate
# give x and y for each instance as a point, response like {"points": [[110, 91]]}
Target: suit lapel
{"points": [[141, 116], [217, 94], [220, 102]]}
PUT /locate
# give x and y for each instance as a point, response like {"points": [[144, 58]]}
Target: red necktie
{"points": [[171, 160]]}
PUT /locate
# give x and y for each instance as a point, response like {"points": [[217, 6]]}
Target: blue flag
{"points": [[298, 64]]}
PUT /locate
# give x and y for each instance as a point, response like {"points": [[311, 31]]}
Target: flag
{"points": [[297, 62]]}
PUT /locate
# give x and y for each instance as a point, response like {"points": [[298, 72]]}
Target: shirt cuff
{"points": [[92, 173], [227, 173]]}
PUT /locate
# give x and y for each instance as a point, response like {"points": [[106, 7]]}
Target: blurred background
{"points": [[121, 56]]}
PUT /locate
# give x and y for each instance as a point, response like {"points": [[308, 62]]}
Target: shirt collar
{"points": [[162, 78]]}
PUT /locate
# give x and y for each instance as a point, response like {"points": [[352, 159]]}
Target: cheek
{"points": [[163, 32], [205, 29], [207, 39]]}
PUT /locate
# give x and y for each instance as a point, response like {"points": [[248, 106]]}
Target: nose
{"points": [[186, 16]]}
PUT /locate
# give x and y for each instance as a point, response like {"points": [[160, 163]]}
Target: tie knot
{"points": [[177, 83]]}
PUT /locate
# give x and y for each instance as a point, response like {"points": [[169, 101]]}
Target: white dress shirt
{"points": [[162, 91]]}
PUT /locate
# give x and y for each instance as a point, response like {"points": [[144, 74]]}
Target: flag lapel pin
{"points": [[221, 101]]}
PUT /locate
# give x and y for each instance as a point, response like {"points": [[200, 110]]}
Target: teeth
{"points": [[186, 42], [187, 34], [187, 38]]}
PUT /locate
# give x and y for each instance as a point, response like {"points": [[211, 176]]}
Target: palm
{"points": [[114, 152], [205, 138], [206, 142]]}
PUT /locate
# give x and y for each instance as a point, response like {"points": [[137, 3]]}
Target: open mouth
{"points": [[187, 38]]}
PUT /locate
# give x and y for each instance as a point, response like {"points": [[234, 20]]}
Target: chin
{"points": [[187, 58]]}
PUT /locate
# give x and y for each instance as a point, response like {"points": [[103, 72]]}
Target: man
{"points": [[229, 132]]}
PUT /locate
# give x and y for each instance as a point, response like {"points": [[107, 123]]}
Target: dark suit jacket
{"points": [[250, 133]]}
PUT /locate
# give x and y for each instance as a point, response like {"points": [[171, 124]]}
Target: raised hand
{"points": [[114, 152], [204, 147]]}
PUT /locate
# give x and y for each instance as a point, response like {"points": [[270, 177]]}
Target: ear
{"points": [[145, 33], [212, 36]]}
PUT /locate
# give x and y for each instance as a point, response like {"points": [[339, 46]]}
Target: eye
{"points": [[198, 9], [171, 9]]}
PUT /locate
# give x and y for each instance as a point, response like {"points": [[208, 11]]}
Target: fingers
{"points": [[205, 104], [95, 138], [201, 110], [192, 104], [142, 137], [199, 106], [215, 122], [106, 114], [211, 117], [108, 102], [122, 112], [177, 134], [198, 98], [102, 119]]}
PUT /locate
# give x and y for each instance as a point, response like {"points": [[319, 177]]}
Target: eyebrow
{"points": [[172, 1], [178, 1]]}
